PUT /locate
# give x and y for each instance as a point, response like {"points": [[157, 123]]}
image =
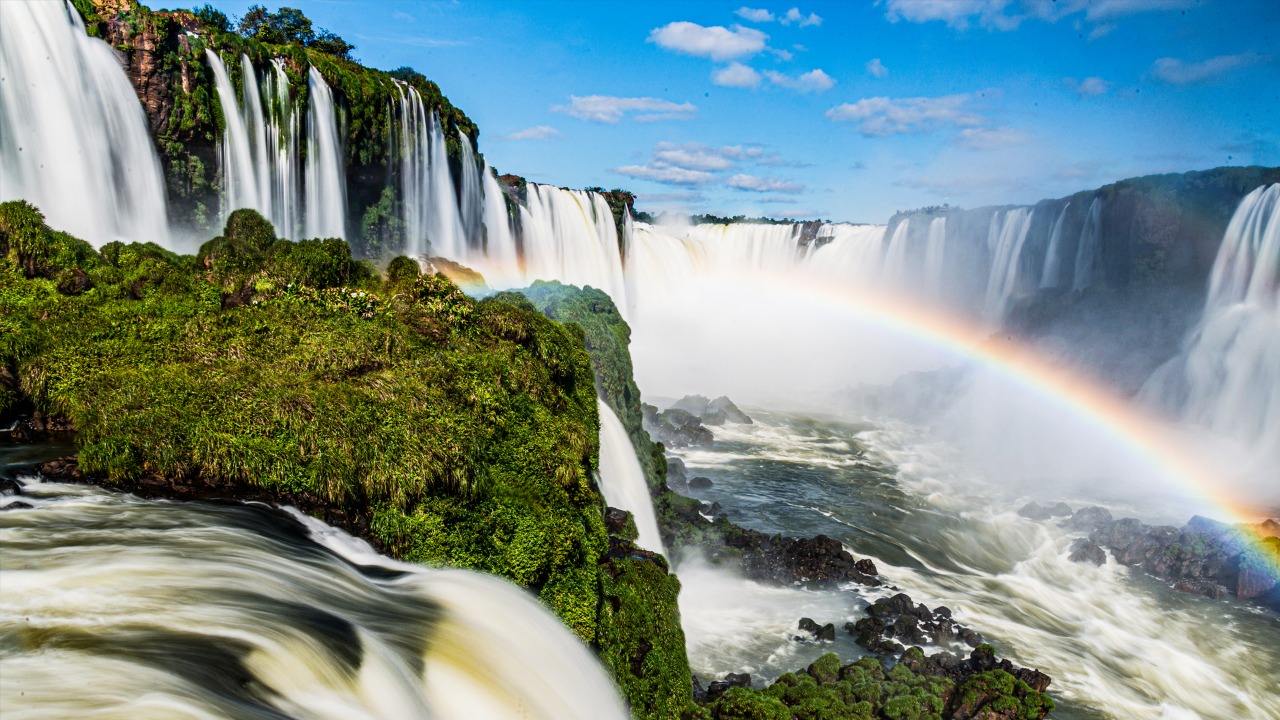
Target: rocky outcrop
{"points": [[1205, 557], [712, 412], [820, 560], [898, 621], [675, 428]]}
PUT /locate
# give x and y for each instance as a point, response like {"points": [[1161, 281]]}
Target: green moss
{"points": [[465, 431], [640, 638]]}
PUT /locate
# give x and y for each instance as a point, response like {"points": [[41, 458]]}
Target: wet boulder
{"points": [[1088, 519], [1085, 550], [1033, 511]]}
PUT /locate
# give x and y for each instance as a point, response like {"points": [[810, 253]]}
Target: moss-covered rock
{"points": [[457, 432]]}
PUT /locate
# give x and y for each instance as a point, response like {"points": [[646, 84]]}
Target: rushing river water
{"points": [[116, 607], [1117, 644]]}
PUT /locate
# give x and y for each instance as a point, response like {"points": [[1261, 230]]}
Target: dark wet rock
{"points": [[619, 522], [74, 282], [700, 483], [1088, 519], [899, 618], [866, 567], [809, 625], [819, 560], [699, 692], [1060, 509], [1254, 583], [710, 509], [677, 480], [725, 407], [1085, 550], [16, 505], [821, 633], [9, 486], [38, 426], [1204, 557], [1033, 511], [675, 428], [738, 679]]}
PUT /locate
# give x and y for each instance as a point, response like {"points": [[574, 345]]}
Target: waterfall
{"points": [[74, 140], [163, 609], [471, 196], [326, 184], [282, 135], [1007, 237], [570, 235], [500, 248], [239, 171], [1051, 274], [259, 150], [935, 255], [622, 480], [428, 204], [895, 257], [1227, 377], [1087, 251], [444, 222]]}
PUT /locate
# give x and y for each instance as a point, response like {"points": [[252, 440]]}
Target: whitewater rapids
{"points": [[114, 606]]}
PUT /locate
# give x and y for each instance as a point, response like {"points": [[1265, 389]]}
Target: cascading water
{"points": [[73, 136], [326, 184], [1228, 375], [935, 255], [193, 610], [1006, 240], [1051, 273], [1087, 250], [570, 235], [429, 206], [895, 256], [259, 150], [500, 249], [622, 479], [471, 195]]}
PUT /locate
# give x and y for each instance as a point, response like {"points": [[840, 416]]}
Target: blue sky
{"points": [[846, 111]]}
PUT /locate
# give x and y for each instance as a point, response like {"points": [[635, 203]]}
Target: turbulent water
{"points": [[154, 609], [1117, 644]]}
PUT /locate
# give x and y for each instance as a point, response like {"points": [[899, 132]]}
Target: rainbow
{"points": [[1142, 433]]}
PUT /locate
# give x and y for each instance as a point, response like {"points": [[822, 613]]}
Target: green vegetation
{"points": [[865, 690], [466, 430], [288, 26]]}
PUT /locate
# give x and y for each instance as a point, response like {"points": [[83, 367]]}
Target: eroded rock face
{"points": [[675, 428]]}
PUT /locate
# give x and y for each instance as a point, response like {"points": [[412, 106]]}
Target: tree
{"points": [[288, 26], [212, 17]]}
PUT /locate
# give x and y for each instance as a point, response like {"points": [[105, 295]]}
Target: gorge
{"points": [[241, 276]]}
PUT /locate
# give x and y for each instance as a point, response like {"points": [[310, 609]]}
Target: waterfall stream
{"points": [[622, 481], [74, 140]]}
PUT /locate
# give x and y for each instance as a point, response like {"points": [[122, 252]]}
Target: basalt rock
{"points": [[1204, 557], [819, 560], [39, 425], [699, 483], [899, 618], [675, 428], [1034, 511], [821, 633], [1085, 550]]}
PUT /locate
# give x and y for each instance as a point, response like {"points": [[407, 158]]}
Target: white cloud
{"points": [[795, 16], [812, 81], [715, 42], [754, 15], [609, 109], [876, 69], [759, 184], [538, 132], [880, 116], [783, 55], [736, 75], [695, 156], [986, 139], [666, 174], [1088, 87], [1009, 14], [1177, 72]]}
